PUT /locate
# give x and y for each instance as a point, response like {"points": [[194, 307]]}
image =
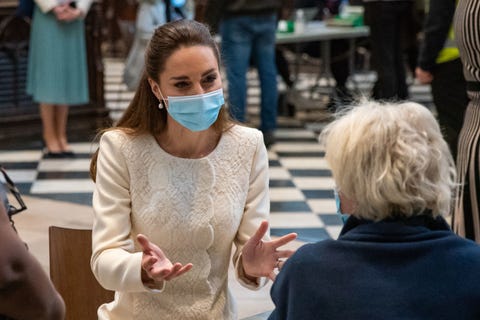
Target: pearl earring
{"points": [[160, 105]]}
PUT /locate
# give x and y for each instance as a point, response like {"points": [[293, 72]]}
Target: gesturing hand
{"points": [[156, 266], [260, 257]]}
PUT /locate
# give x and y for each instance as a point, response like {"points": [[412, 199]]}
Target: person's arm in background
{"points": [[437, 25], [149, 17], [26, 292]]}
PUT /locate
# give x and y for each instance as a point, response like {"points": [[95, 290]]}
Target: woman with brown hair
{"points": [[177, 184]]}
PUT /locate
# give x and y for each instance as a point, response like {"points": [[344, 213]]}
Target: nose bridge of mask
{"points": [[195, 96]]}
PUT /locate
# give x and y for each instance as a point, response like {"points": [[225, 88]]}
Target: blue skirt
{"points": [[57, 61]]}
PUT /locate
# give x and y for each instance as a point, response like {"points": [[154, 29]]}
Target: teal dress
{"points": [[57, 62]]}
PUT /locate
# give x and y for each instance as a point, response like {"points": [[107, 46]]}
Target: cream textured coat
{"points": [[193, 209]]}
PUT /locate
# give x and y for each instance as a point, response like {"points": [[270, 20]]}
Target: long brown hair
{"points": [[142, 115]]}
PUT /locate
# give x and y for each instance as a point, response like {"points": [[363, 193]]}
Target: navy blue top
{"points": [[399, 269]]}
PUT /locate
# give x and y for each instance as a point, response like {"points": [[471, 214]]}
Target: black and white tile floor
{"points": [[301, 186]]}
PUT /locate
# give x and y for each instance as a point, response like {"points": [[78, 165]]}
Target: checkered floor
{"points": [[300, 187]]}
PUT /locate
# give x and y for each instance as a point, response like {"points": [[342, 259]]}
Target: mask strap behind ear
{"points": [[162, 102]]}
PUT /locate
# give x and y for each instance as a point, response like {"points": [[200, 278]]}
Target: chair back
{"points": [[70, 251]]}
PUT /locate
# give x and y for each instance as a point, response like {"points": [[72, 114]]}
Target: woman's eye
{"points": [[182, 84], [210, 78]]}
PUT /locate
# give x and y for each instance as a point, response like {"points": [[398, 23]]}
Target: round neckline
{"points": [[210, 154]]}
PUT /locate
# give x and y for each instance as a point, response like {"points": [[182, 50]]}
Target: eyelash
{"points": [[208, 80]]}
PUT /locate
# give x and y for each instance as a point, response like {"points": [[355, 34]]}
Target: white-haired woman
{"points": [[396, 257]]}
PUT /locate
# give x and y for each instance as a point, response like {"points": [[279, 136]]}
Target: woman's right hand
{"points": [[156, 267], [65, 13]]}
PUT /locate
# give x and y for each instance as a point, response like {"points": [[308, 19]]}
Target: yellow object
{"points": [[450, 51], [448, 54]]}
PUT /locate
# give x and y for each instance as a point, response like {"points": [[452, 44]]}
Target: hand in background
{"points": [[260, 258], [423, 76], [66, 13], [156, 266]]}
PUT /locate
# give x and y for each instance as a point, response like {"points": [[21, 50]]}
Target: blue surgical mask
{"points": [[343, 216], [197, 112]]}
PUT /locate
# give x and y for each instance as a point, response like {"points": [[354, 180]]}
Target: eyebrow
{"points": [[185, 77]]}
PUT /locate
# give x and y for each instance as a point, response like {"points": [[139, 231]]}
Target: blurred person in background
{"points": [[248, 29], [57, 68], [388, 20], [151, 14], [440, 66]]}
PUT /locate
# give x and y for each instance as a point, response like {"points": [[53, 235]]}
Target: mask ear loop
{"points": [[162, 102]]}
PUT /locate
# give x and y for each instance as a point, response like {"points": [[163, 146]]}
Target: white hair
{"points": [[390, 159]]}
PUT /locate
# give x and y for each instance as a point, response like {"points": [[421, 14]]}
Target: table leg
{"points": [[351, 63], [327, 71], [297, 64], [324, 72]]}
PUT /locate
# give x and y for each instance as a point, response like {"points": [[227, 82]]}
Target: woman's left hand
{"points": [[260, 258]]}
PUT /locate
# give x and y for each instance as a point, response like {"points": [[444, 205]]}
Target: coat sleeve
{"points": [[279, 294], [114, 262], [256, 210], [437, 26], [287, 292]]}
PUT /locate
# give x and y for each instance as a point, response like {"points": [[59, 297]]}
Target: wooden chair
{"points": [[70, 251]]}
